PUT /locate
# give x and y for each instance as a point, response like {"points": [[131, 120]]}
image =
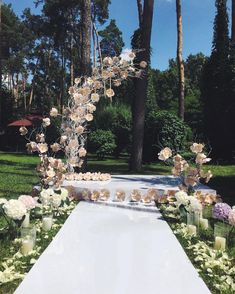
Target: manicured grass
{"points": [[18, 175]]}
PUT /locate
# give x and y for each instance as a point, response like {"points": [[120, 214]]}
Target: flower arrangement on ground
{"points": [[189, 174]]}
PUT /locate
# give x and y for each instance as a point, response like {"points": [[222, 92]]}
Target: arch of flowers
{"points": [[83, 97]]}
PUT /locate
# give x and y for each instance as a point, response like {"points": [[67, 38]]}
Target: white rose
{"points": [[15, 209]]}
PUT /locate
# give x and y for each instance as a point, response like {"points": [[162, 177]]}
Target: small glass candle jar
{"points": [[47, 222]]}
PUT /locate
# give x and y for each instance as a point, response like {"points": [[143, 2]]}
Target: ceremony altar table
{"points": [[103, 249]]}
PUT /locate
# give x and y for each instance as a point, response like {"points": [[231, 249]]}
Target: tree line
{"points": [[41, 54]]}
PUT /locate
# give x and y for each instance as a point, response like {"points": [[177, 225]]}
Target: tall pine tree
{"points": [[216, 92]]}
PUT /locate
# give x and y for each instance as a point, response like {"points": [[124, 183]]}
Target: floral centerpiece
{"points": [[14, 212]]}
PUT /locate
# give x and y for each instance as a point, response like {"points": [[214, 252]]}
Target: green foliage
{"points": [[216, 92], [102, 143], [111, 43], [116, 118], [164, 129]]}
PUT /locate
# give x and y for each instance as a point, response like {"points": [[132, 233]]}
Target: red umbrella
{"points": [[20, 123]]}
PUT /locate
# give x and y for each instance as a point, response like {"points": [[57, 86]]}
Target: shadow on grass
{"points": [[20, 164], [20, 173], [225, 186]]}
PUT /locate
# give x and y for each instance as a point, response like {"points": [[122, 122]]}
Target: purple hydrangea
{"points": [[221, 211]]}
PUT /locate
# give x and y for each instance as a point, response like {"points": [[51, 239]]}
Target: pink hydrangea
{"points": [[231, 217], [28, 201]]}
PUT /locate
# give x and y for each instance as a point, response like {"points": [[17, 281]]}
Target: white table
{"points": [[111, 250]]}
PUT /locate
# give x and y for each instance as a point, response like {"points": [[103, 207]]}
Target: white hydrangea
{"points": [[3, 201], [194, 204], [15, 209], [45, 195], [182, 198], [56, 200]]}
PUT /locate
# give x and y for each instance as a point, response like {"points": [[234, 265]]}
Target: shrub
{"points": [[118, 120], [163, 129], [101, 142]]}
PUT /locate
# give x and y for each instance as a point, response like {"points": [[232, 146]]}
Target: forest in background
{"points": [[42, 54]]}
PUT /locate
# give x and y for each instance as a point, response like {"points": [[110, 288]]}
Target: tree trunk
{"points": [[180, 59], [140, 11], [141, 89], [86, 37], [233, 21]]}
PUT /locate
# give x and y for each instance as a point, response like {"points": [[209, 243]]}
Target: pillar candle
{"points": [[47, 223], [26, 246], [220, 243], [192, 230], [204, 223]]}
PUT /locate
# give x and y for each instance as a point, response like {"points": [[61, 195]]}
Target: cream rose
{"points": [[23, 131], [197, 148], [95, 97], [46, 122], [164, 154], [54, 112], [202, 158], [42, 147]]}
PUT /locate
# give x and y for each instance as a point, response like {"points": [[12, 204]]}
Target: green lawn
{"points": [[17, 174]]}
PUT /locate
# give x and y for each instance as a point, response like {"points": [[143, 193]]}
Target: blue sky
{"points": [[198, 16]]}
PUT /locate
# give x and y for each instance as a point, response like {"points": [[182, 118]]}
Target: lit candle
{"points": [[220, 243], [47, 223], [26, 221], [204, 223], [26, 246], [192, 230]]}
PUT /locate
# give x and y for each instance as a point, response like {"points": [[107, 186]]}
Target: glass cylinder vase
{"points": [[193, 218], [222, 229]]}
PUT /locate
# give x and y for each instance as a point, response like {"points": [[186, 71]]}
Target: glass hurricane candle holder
{"points": [[29, 232], [136, 196], [104, 194], [207, 211], [28, 236], [221, 229], [95, 195], [193, 218], [120, 195]]}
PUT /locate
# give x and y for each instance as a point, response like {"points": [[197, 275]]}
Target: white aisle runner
{"points": [[110, 250]]}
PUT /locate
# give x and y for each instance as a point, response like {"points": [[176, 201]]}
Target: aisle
{"points": [[110, 250]]}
